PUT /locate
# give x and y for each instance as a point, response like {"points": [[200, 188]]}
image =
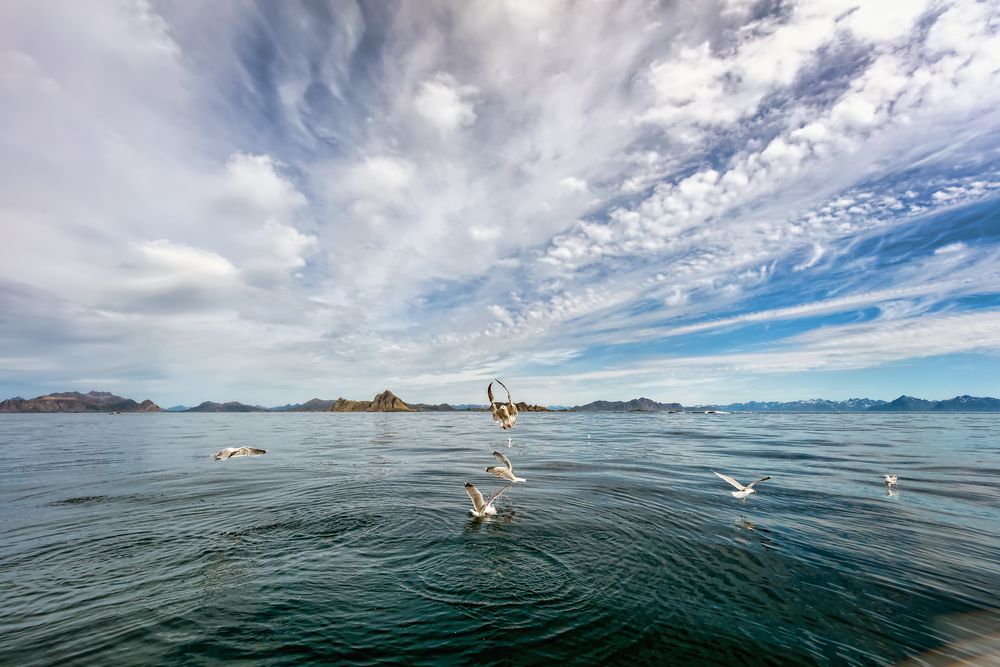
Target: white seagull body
{"points": [[480, 507], [890, 480], [743, 491], [506, 472], [230, 452], [505, 413]]}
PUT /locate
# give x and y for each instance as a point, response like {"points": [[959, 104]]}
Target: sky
{"points": [[689, 201]]}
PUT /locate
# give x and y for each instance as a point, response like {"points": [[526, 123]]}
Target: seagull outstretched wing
{"points": [[509, 400], [734, 482], [503, 459], [498, 494], [477, 498], [762, 479], [500, 412]]}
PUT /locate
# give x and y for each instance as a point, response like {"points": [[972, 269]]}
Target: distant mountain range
{"points": [[384, 402], [103, 401], [958, 404], [902, 404], [74, 401], [810, 405], [231, 406], [635, 405]]}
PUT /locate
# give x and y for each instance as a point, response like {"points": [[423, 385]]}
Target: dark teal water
{"points": [[122, 542]]}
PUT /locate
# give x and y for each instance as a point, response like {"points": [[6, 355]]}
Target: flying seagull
{"points": [[230, 452], [481, 508], [744, 491], [890, 480], [506, 472], [505, 413]]}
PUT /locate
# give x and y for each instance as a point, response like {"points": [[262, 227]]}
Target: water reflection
{"points": [[502, 516]]}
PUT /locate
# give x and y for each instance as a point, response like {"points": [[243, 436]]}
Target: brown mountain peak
{"points": [[388, 402]]}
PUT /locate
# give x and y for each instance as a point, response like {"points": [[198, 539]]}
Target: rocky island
{"points": [[74, 401], [635, 405], [231, 406]]}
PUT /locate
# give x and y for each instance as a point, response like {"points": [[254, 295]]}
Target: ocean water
{"points": [[123, 543]]}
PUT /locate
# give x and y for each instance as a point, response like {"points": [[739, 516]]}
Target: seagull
{"points": [[481, 508], [507, 472], [890, 480], [744, 491], [230, 452], [505, 413]]}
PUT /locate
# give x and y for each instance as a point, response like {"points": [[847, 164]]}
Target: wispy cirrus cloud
{"points": [[321, 199]]}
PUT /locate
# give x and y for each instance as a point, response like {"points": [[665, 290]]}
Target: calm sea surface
{"points": [[122, 542]]}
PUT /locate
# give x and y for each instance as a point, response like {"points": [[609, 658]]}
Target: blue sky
{"points": [[694, 202]]}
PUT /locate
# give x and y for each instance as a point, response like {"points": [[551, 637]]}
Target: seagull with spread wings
{"points": [[230, 452], [506, 471], [890, 480], [744, 491], [505, 413], [482, 508]]}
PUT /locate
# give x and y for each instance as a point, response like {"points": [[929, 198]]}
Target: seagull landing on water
{"points": [[505, 413], [890, 480], [480, 507], [230, 452], [744, 491], [506, 472]]}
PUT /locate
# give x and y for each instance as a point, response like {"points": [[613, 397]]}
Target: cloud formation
{"points": [[325, 200]]}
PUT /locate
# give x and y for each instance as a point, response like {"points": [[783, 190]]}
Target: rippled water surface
{"points": [[124, 543]]}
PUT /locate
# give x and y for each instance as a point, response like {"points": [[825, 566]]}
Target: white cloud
{"points": [[484, 233], [867, 345], [574, 184], [881, 99], [501, 314], [380, 173], [445, 104], [699, 87], [817, 254], [252, 182], [951, 248], [179, 260], [276, 252], [841, 348]]}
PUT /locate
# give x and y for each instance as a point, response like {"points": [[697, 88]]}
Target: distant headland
{"points": [[74, 401], [103, 401]]}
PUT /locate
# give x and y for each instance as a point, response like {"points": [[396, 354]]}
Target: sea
{"points": [[123, 543]]}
